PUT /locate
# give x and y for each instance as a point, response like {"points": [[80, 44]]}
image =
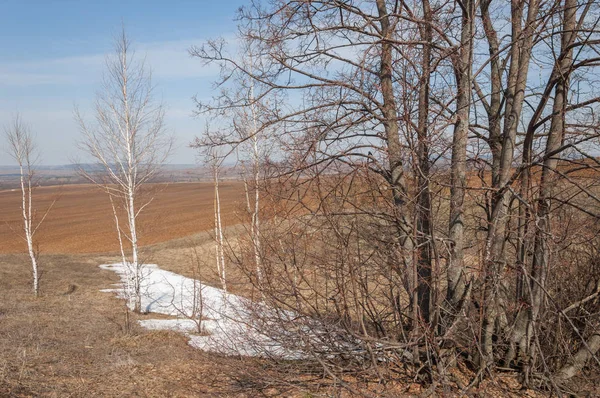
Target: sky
{"points": [[52, 56]]}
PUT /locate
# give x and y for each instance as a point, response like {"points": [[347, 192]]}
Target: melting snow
{"points": [[228, 325]]}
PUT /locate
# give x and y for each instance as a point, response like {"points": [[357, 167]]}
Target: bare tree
{"points": [[242, 109], [129, 143], [22, 148], [255, 138], [215, 163]]}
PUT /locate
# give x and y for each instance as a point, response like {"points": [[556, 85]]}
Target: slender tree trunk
{"points": [[126, 265], [137, 268], [26, 206], [220, 253], [455, 273], [424, 236], [130, 139], [494, 109], [255, 221], [576, 363], [494, 258], [548, 180], [394, 148]]}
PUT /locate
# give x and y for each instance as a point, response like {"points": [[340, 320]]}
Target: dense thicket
{"points": [[431, 180]]}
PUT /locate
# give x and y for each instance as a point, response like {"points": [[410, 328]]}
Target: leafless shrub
{"points": [[191, 305], [22, 148]]}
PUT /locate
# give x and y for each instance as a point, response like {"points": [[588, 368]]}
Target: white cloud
{"points": [[171, 60], [168, 60]]}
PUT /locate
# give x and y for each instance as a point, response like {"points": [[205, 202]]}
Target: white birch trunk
{"points": [[220, 253], [255, 222], [135, 265], [27, 220], [22, 149], [128, 287]]}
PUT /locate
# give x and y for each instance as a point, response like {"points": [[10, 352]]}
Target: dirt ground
{"points": [[81, 219]]}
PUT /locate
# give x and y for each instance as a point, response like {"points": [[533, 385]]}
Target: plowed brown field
{"points": [[81, 219]]}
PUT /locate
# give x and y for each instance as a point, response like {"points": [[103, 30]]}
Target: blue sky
{"points": [[52, 56]]}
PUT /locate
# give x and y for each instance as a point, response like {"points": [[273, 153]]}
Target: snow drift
{"points": [[229, 322]]}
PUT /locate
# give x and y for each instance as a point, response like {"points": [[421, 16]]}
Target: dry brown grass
{"points": [[77, 344], [73, 342]]}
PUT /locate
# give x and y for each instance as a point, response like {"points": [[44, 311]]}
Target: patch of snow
{"points": [[228, 325], [110, 290], [177, 325]]}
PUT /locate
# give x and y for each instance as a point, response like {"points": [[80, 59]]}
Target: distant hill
{"points": [[67, 174]]}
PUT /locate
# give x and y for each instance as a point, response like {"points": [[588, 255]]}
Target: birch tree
{"points": [[215, 163], [243, 109], [129, 143], [22, 148], [256, 140]]}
